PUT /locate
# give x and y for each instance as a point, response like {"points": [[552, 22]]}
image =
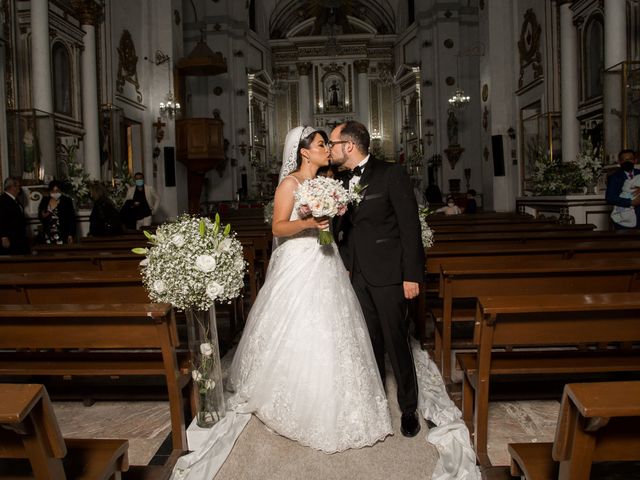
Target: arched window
{"points": [[593, 70], [61, 79]]}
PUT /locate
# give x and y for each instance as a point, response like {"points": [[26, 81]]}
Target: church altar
{"points": [[568, 208]]}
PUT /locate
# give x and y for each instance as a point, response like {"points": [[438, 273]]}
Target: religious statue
{"points": [[334, 93]]}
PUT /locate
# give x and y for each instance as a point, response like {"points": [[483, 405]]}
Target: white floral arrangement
{"points": [[192, 263], [425, 229], [590, 163], [324, 197], [76, 180], [268, 212]]}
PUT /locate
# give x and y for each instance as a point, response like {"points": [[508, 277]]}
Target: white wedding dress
{"points": [[305, 365]]}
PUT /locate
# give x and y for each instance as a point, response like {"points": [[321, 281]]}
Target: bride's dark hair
{"points": [[305, 142]]}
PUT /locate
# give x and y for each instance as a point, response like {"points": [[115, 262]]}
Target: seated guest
{"points": [[623, 193], [450, 208], [105, 218], [471, 205], [141, 203], [57, 216], [13, 237]]}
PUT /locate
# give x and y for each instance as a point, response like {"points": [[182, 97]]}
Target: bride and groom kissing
{"points": [[311, 361]]}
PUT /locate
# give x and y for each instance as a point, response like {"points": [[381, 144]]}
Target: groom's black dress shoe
{"points": [[409, 424]]}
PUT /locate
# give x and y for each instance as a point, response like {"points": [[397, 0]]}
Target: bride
{"points": [[305, 365]]}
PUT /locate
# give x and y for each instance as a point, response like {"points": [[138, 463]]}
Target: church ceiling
{"points": [[331, 17]]}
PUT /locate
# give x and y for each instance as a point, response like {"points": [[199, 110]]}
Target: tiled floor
{"points": [[147, 424]]}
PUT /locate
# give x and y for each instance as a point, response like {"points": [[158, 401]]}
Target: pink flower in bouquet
{"points": [[324, 197]]}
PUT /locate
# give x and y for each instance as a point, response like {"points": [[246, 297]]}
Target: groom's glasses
{"points": [[331, 144]]}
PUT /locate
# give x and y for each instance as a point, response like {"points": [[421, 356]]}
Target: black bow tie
{"points": [[356, 172]]}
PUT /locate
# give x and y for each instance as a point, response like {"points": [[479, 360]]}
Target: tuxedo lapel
{"points": [[365, 179]]}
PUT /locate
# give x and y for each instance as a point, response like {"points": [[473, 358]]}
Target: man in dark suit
{"points": [[12, 223], [380, 244], [615, 182]]}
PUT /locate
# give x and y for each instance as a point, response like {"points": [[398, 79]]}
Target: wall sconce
{"points": [[428, 122], [240, 93], [238, 53], [512, 133], [427, 83], [426, 43], [243, 148]]}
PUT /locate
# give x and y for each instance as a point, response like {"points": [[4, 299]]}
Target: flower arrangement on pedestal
{"points": [[192, 263], [425, 229], [75, 179], [553, 177], [590, 162]]}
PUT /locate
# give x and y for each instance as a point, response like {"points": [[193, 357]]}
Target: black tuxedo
{"points": [[13, 226], [380, 243]]}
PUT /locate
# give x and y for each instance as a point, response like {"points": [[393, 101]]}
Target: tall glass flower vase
{"points": [[205, 366]]}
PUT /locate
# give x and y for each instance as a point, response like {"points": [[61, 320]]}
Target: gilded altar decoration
{"points": [[529, 47], [127, 64]]}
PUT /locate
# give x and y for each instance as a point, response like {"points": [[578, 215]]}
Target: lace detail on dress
{"points": [[305, 365]]}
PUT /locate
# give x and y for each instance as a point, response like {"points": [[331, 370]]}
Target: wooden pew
{"points": [[543, 321], [529, 236], [68, 262], [452, 253], [97, 340], [509, 228], [598, 422], [72, 287], [30, 431], [478, 278]]}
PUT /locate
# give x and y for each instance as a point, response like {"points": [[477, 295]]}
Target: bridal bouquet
{"points": [[426, 232], [324, 197], [192, 263]]}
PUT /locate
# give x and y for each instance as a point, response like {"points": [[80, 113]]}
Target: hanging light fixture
{"points": [[459, 100], [170, 107]]}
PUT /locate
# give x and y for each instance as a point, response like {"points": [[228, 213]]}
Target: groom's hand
{"points": [[411, 289]]}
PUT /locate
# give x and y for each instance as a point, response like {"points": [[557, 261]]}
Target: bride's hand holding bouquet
{"points": [[323, 198]]}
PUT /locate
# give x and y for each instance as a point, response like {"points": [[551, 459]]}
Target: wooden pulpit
{"points": [[200, 146]]}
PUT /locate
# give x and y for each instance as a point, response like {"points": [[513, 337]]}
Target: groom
{"points": [[380, 244]]}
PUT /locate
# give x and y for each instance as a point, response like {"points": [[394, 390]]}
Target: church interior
{"points": [[529, 309]]}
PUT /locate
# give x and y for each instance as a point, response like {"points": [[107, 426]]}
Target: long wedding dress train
{"points": [[305, 365]]}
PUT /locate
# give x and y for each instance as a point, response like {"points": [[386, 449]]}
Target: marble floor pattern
{"points": [[147, 424]]}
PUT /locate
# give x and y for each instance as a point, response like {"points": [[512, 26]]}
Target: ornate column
{"points": [[305, 98], [569, 83], [41, 89], [362, 108], [615, 51], [90, 14]]}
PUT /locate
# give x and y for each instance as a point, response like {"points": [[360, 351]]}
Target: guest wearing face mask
{"points": [[57, 216], [623, 193], [450, 208], [141, 203]]}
